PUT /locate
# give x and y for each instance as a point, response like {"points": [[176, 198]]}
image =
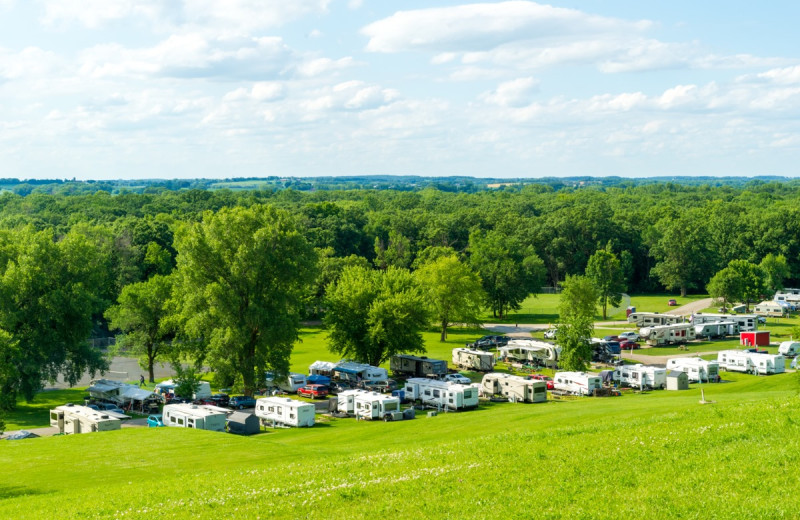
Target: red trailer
{"points": [[759, 338]]}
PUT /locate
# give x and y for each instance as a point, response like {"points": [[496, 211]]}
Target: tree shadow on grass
{"points": [[7, 492]]}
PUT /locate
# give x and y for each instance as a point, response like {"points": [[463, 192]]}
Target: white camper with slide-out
{"points": [[517, 389], [652, 319], [642, 376], [530, 351], [71, 419], [577, 383], [290, 383], [668, 334], [468, 359], [199, 417], [346, 400], [717, 329], [770, 308], [746, 322], [698, 370], [751, 362], [789, 348], [441, 394], [372, 405], [282, 411]]}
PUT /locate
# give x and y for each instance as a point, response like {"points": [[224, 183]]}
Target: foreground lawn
{"points": [[653, 455]]}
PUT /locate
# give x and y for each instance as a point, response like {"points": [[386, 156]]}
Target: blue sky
{"points": [[99, 89]]}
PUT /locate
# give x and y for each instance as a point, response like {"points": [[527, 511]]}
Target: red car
{"points": [[542, 377], [628, 345], [672, 302], [313, 391]]}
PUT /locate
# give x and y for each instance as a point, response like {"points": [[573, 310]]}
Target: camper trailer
{"points": [[517, 389], [698, 370], [441, 394], [417, 366], [346, 400], [71, 419], [477, 360], [291, 383], [284, 411], [200, 417], [668, 334], [166, 388], [751, 362], [372, 405], [121, 394], [653, 319], [770, 308], [787, 295], [789, 348], [531, 351], [746, 322], [642, 376], [353, 372], [717, 329], [577, 383]]}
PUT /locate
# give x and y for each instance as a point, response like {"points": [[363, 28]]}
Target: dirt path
{"points": [[691, 308]]}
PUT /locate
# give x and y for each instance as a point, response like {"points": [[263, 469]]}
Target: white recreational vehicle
{"points": [[652, 319], [70, 418], [698, 370], [284, 411], [346, 400], [167, 387], [747, 322], [372, 405], [789, 348], [770, 308], [291, 383], [643, 376], [118, 392], [668, 334], [577, 383], [787, 295], [200, 417], [530, 351], [517, 389], [716, 329], [441, 394], [477, 360], [353, 372], [751, 362]]}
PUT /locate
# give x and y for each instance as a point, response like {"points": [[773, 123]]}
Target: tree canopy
{"points": [[576, 322], [605, 271]]}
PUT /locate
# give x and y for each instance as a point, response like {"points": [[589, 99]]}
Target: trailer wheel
{"points": [[387, 418], [662, 386]]}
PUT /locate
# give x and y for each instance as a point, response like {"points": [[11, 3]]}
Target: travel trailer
{"points": [[668, 334], [199, 417], [71, 419], [698, 370], [789, 348], [353, 372], [291, 383], [788, 295], [531, 351], [717, 329], [642, 376], [751, 362], [477, 360], [517, 389], [577, 383], [770, 308], [652, 319], [372, 405], [167, 387], [417, 366], [122, 394], [746, 322], [283, 411], [441, 394]]}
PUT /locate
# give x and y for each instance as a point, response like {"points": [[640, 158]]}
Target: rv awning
{"points": [[136, 394], [102, 388], [115, 415], [349, 370]]}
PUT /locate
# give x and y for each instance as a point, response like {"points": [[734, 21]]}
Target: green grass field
{"points": [[656, 454]]}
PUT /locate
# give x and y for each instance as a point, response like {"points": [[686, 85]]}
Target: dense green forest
{"points": [[93, 244]]}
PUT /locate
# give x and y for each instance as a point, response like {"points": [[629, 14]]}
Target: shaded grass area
{"points": [[558, 459], [36, 414]]}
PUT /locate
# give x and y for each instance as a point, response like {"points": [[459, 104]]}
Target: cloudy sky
{"points": [[98, 89]]}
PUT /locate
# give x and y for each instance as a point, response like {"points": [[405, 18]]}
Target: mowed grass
{"points": [[655, 455]]}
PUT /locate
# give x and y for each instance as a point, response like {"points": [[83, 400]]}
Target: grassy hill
{"points": [[657, 454]]}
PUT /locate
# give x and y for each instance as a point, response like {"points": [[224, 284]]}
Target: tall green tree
{"points": [[142, 314], [243, 275], [605, 271], [48, 294], [576, 322], [684, 260], [453, 291], [396, 251], [510, 271], [373, 315], [739, 281], [776, 270]]}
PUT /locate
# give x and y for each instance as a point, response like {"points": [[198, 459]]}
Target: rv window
{"points": [[180, 421], [53, 416], [450, 400], [172, 419], [291, 416], [435, 393], [427, 392], [271, 409]]}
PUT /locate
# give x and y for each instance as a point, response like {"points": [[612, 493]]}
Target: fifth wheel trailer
{"points": [[200, 417], [668, 334], [284, 411], [747, 322], [652, 319], [577, 383], [71, 418], [469, 359], [643, 376], [417, 366], [441, 394], [517, 389], [698, 370]]}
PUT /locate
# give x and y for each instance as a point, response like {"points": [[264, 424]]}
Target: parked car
{"points": [[613, 347], [629, 336], [628, 345], [542, 377], [487, 342], [313, 391], [383, 386], [672, 302], [762, 319], [239, 402], [611, 338], [221, 400], [338, 386], [457, 378], [550, 334], [109, 407], [155, 420]]}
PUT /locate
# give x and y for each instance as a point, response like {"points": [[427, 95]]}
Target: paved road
{"points": [[121, 369], [691, 307]]}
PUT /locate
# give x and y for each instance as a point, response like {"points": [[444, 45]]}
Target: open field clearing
{"points": [[651, 454]]}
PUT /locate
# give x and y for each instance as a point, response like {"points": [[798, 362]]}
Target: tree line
{"points": [[225, 277]]}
